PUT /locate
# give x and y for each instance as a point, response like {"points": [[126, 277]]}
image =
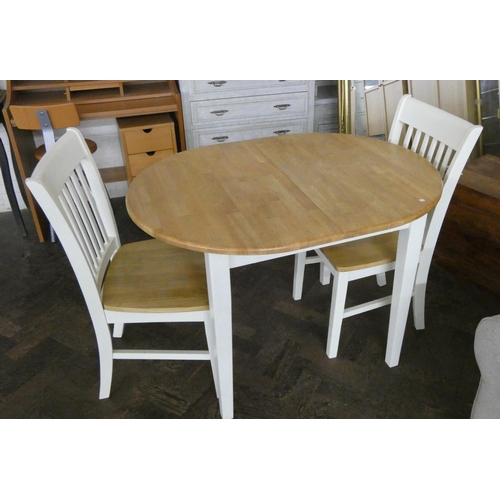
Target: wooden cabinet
{"points": [[145, 140], [469, 242], [455, 96], [381, 103], [218, 111]]}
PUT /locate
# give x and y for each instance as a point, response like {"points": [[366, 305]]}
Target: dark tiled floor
{"points": [[48, 357]]}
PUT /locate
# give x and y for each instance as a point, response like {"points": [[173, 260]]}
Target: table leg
{"points": [[219, 294], [409, 245]]}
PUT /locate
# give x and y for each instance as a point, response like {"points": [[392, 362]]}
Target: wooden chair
{"points": [[447, 142], [48, 119], [144, 282]]}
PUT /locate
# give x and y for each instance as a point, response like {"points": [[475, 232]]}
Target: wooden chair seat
{"points": [[364, 253], [40, 150], [154, 276]]}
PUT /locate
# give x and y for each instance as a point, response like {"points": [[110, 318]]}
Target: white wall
{"points": [[108, 154]]}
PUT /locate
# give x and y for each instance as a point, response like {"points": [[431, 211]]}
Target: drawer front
{"points": [[139, 162], [273, 107], [148, 139], [326, 112], [213, 89], [232, 134], [328, 128]]}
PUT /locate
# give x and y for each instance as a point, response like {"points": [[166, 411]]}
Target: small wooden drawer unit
{"points": [[146, 140]]}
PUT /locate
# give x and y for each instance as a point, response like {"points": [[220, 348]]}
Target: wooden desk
{"points": [[94, 99], [250, 201]]}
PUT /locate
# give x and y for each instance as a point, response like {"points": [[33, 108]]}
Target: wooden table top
{"points": [[281, 194]]}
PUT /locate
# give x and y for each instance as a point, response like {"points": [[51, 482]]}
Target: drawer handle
{"points": [[151, 153], [281, 132], [147, 130], [220, 112], [218, 83], [281, 107], [220, 138]]}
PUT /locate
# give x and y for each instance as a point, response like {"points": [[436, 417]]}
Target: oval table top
{"points": [[281, 194]]}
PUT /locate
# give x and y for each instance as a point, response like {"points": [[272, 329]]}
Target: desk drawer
{"points": [[271, 107], [140, 161], [148, 139]]}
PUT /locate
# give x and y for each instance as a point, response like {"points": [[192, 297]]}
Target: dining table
{"points": [[249, 201]]}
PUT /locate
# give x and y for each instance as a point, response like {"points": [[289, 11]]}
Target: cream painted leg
{"points": [[324, 274], [209, 330], [105, 347], [118, 330], [339, 294], [420, 289], [219, 293], [409, 242], [298, 275]]}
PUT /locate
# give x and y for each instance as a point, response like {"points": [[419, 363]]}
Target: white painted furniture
{"points": [[487, 351], [146, 282], [326, 112], [444, 140], [250, 201], [218, 111]]}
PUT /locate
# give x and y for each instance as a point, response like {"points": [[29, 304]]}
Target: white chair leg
{"points": [[106, 367], [118, 330], [420, 288], [209, 331], [324, 274], [105, 348], [339, 294], [381, 279], [298, 275], [419, 306]]}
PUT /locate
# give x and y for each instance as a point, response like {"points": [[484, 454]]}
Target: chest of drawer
{"points": [[216, 89], [270, 107], [245, 132]]}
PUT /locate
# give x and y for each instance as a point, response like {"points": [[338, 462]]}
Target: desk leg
{"points": [[219, 294], [409, 244]]}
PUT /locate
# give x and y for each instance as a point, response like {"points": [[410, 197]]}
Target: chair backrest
{"points": [[445, 140], [61, 115], [46, 118], [67, 185]]}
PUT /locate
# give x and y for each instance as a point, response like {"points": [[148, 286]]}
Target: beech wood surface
{"points": [[281, 194]]}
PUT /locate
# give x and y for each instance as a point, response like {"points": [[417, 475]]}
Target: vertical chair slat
{"points": [[73, 219], [99, 226], [86, 226]]}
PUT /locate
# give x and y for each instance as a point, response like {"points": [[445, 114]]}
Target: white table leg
{"points": [[219, 294], [409, 244]]}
